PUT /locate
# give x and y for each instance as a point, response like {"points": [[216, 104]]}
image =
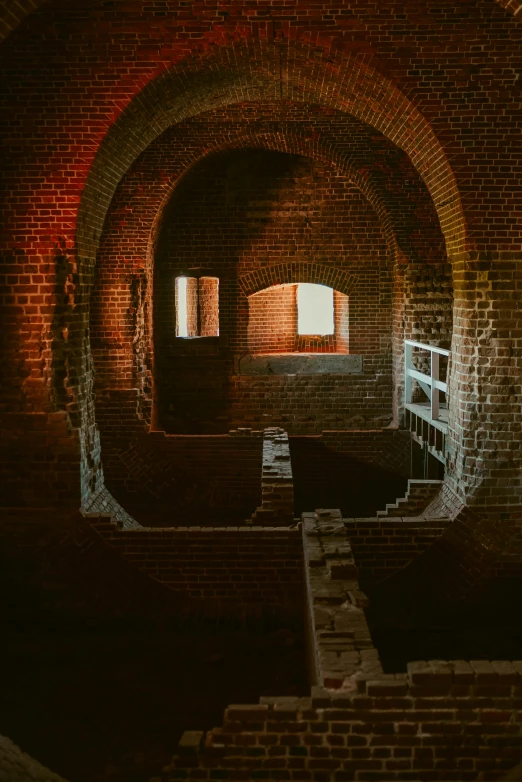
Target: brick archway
{"points": [[145, 193], [244, 71], [302, 271], [309, 77], [390, 209], [185, 91]]}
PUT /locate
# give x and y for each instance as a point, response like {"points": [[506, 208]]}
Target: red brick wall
{"points": [[60, 564], [272, 320], [208, 296], [486, 385], [442, 721]]}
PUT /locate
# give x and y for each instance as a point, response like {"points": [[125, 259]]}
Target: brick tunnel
{"points": [[261, 494]]}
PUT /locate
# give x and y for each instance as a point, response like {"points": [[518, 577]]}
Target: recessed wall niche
{"points": [[276, 315], [252, 211], [197, 307]]}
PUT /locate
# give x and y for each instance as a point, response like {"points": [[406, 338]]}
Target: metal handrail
{"points": [[432, 348], [430, 384]]}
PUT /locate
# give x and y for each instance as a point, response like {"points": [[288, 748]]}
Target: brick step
{"points": [[419, 496]]}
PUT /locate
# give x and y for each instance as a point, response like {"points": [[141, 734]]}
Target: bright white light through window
{"points": [[315, 309], [181, 309]]}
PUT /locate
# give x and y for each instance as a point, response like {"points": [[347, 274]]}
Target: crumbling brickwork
{"points": [[441, 720], [277, 482]]}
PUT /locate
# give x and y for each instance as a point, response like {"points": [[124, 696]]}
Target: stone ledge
{"points": [[343, 648], [301, 364]]}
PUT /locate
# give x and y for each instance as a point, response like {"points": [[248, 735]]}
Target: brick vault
{"points": [[350, 487]]}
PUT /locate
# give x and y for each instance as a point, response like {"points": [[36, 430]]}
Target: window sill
{"points": [[300, 364], [198, 337]]}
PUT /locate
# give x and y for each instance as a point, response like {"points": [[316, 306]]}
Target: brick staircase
{"points": [[419, 495]]}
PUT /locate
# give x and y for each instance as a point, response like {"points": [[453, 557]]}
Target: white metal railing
{"points": [[430, 384]]}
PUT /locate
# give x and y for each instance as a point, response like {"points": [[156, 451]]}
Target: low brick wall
{"points": [[440, 721], [342, 648], [277, 483], [249, 570], [164, 480], [382, 546], [445, 721]]}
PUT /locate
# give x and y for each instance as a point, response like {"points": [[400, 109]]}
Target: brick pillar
{"points": [[485, 438], [423, 302]]}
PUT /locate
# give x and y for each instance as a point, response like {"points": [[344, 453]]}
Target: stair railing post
{"points": [[434, 389], [408, 380]]}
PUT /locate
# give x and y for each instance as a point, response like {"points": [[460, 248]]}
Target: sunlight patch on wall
{"points": [[181, 309]]}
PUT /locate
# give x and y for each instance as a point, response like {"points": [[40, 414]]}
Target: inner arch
{"points": [[187, 90]]}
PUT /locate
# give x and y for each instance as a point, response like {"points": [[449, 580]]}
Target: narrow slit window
{"points": [[181, 307], [197, 307], [315, 309]]}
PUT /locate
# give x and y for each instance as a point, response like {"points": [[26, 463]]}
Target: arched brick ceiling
{"points": [[306, 76], [284, 273], [380, 170], [354, 57]]}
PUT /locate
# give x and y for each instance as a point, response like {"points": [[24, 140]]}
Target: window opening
{"points": [[315, 309], [208, 293], [197, 307], [181, 307]]}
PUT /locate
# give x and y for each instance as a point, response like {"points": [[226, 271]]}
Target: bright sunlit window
{"points": [[315, 309], [181, 309], [197, 307]]}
